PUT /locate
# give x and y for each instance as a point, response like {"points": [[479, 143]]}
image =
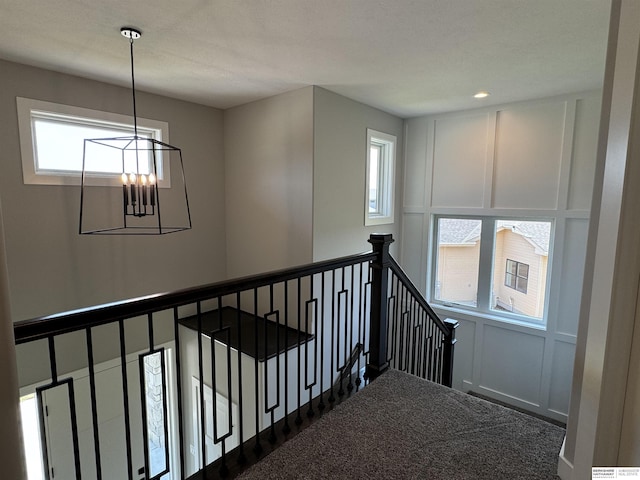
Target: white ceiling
{"points": [[407, 57]]}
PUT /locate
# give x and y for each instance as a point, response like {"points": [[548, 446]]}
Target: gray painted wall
{"points": [[268, 177], [339, 162], [52, 268]]}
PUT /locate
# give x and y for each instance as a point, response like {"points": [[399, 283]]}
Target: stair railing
{"points": [[262, 354]]}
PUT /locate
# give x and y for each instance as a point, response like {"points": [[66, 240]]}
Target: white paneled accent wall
{"points": [[533, 159]]}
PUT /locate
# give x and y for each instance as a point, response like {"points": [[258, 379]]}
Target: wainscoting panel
{"points": [[560, 388], [412, 229], [583, 161], [528, 154], [415, 164], [512, 363], [464, 353], [460, 166], [571, 277]]}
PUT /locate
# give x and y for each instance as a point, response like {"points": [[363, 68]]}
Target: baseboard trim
{"points": [[565, 467]]}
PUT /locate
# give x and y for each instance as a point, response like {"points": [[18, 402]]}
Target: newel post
{"points": [[379, 315], [449, 345]]}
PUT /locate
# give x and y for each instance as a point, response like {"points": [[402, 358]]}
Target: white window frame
{"points": [[486, 271], [386, 178], [29, 110]]}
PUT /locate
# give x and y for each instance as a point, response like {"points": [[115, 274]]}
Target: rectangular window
{"points": [[380, 174], [516, 275], [52, 142], [507, 277], [458, 260]]}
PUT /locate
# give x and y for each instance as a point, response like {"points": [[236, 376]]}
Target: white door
{"points": [[111, 425]]}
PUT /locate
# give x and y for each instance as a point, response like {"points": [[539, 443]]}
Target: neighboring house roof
{"points": [[461, 232], [458, 231], [536, 233]]}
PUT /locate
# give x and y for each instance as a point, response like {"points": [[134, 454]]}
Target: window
{"points": [[458, 260], [492, 265], [52, 142], [516, 275], [31, 436], [380, 173]]}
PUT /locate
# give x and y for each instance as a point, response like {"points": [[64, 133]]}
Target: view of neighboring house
{"points": [[521, 252]]}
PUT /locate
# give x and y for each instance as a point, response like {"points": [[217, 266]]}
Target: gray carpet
{"points": [[402, 427]]}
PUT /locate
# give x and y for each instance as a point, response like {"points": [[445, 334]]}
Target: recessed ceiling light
{"points": [[482, 94]]}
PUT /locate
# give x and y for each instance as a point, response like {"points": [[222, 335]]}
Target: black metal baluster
{"points": [[176, 333], [224, 470], [74, 429], [94, 406], [242, 458], [271, 409], [366, 309], [421, 336], [343, 315], [143, 401], [41, 413], [257, 447], [286, 429], [411, 347], [314, 317], [351, 343], [332, 398], [203, 443], [125, 397], [298, 419], [165, 412], [321, 405], [398, 316], [434, 356], [392, 327], [361, 289], [429, 350], [407, 333], [441, 356]]}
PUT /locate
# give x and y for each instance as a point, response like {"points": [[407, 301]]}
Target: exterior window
{"points": [[507, 277], [380, 173], [52, 142], [516, 275], [458, 260]]}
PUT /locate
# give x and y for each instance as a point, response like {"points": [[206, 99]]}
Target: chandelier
{"points": [[151, 175]]}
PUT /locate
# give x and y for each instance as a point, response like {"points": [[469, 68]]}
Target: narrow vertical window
{"points": [[380, 174]]}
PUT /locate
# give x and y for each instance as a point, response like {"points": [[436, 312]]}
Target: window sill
{"points": [[378, 220], [474, 314]]}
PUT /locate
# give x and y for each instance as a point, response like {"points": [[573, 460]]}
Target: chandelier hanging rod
{"points": [[132, 34]]}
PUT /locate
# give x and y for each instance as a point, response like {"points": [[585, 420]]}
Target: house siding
{"points": [[514, 247]]}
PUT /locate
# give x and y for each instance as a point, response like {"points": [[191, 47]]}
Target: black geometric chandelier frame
{"points": [[134, 209]]}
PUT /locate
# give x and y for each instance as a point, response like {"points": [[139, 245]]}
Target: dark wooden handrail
{"points": [[43, 327], [399, 272]]}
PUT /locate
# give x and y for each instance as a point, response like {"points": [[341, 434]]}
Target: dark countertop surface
{"points": [[278, 337]]}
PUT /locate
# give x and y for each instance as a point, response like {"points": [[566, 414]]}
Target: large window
{"points": [[52, 142], [380, 173], [492, 265]]}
